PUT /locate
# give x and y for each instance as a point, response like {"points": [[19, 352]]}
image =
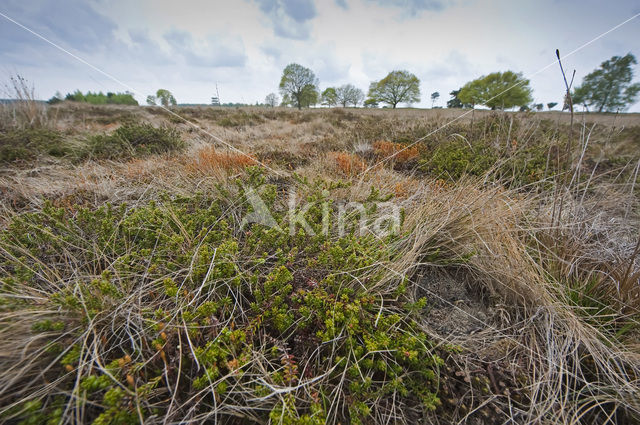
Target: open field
{"points": [[344, 266]]}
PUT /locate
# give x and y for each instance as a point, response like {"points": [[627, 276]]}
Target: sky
{"points": [[189, 46]]}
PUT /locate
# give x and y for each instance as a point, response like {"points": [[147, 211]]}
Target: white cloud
{"points": [[243, 45]]}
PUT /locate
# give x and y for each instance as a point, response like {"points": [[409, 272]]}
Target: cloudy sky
{"points": [[188, 46]]}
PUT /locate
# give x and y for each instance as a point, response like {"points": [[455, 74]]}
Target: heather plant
{"points": [[30, 143], [133, 139], [172, 309]]}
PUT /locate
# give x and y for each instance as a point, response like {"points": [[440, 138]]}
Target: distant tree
{"points": [[371, 103], [397, 87], [499, 90], [343, 95], [348, 94], [357, 97], [454, 102], [329, 97], [551, 105], [76, 96], [100, 98], [300, 84], [309, 96], [165, 98], [57, 98], [538, 106], [434, 96], [271, 100], [151, 100], [609, 87], [286, 100]]}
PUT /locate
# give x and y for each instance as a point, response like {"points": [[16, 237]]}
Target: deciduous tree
{"points": [[166, 98], [609, 88], [300, 85], [348, 94], [329, 97], [397, 87], [499, 90], [271, 99]]}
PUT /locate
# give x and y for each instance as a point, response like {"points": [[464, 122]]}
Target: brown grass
{"points": [[505, 246], [395, 152], [347, 163]]}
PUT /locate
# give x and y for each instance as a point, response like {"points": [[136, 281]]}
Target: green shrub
{"points": [[456, 158], [131, 140], [231, 314], [102, 99], [29, 144]]}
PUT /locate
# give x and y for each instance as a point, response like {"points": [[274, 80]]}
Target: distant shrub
{"points": [[132, 140], [28, 144], [102, 99]]}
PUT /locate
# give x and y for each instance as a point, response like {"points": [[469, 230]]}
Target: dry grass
{"points": [[395, 152], [348, 164], [208, 160], [25, 111], [562, 284]]}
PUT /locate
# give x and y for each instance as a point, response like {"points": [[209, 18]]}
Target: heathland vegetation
{"points": [[274, 265]]}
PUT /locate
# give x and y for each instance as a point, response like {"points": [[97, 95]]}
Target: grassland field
{"points": [[133, 289]]}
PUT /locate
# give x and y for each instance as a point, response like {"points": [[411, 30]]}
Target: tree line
{"points": [[98, 98], [609, 88]]}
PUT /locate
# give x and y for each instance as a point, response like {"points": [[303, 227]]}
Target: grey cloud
{"points": [[412, 7], [215, 51], [71, 23], [271, 51], [342, 3], [289, 17], [143, 48]]}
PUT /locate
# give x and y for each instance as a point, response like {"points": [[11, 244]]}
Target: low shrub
{"points": [[133, 139], [174, 310], [457, 158], [30, 143]]}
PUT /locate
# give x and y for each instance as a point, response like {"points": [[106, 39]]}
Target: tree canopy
{"points": [[397, 87], [455, 102], [499, 90], [349, 94], [434, 96], [609, 88], [329, 97], [165, 98], [271, 100], [100, 98], [299, 85]]}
